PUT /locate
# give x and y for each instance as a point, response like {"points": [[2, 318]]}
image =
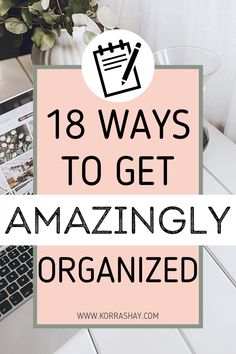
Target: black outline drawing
{"points": [[118, 59]]}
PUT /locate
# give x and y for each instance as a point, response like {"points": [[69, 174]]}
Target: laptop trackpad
{"points": [[17, 334]]}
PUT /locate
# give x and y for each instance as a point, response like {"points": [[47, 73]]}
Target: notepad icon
{"points": [[116, 68]]}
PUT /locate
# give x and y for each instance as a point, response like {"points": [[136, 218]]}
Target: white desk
{"points": [[218, 334]]}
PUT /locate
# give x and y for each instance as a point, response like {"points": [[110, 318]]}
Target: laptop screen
{"points": [[16, 145]]}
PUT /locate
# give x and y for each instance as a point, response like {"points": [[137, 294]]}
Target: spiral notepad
{"points": [[111, 64]]}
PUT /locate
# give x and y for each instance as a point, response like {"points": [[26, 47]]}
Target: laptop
{"points": [[17, 335]]}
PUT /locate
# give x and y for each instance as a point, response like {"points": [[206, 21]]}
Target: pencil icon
{"points": [[131, 63]]}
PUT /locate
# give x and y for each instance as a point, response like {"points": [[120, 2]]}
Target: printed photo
{"points": [[25, 188], [14, 143], [19, 170]]}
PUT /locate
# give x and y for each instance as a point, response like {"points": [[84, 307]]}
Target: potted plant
{"points": [[60, 28]]}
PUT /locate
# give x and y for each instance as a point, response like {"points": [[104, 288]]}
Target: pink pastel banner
{"points": [[143, 145]]}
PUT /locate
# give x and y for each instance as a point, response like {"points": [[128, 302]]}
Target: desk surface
{"points": [[218, 334]]}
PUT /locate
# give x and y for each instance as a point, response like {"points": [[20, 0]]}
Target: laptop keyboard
{"points": [[16, 277]]}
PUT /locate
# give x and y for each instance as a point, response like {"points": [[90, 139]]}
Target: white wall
{"points": [[209, 24]]}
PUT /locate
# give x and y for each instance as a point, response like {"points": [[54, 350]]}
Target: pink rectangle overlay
{"points": [[64, 89]]}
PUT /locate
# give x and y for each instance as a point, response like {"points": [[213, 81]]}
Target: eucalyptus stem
{"points": [[59, 7], [61, 13]]}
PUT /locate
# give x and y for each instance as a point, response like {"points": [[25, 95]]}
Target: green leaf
{"points": [[107, 17], [39, 21], [44, 39], [37, 36], [78, 6], [15, 25], [84, 20], [45, 4], [93, 3], [68, 24], [51, 18], [48, 40], [36, 8], [88, 37], [5, 5], [27, 17]]}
